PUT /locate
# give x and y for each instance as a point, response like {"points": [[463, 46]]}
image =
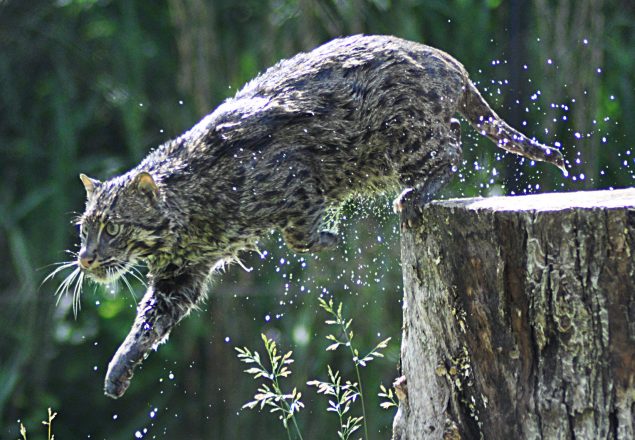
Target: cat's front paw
{"points": [[117, 379], [121, 368]]}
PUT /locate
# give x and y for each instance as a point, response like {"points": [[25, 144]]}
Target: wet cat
{"points": [[354, 116]]}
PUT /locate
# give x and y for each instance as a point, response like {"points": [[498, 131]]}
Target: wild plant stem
{"points": [[287, 408], [359, 377], [288, 432], [278, 390], [297, 429]]}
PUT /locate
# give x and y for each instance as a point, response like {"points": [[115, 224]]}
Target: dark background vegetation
{"points": [[91, 85]]}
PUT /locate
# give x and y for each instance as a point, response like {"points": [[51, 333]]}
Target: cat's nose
{"points": [[86, 259]]}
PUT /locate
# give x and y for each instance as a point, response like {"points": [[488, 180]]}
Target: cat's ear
{"points": [[144, 183], [89, 184]]}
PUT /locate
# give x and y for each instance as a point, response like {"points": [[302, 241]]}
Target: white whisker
{"points": [[77, 291], [112, 283], [137, 274], [128, 267], [59, 263], [63, 265], [65, 284], [125, 281]]}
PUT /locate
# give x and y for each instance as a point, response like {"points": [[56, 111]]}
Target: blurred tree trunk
{"points": [[517, 56], [197, 49], [574, 76], [519, 319]]}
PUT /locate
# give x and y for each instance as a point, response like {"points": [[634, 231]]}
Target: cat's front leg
{"points": [[166, 302]]}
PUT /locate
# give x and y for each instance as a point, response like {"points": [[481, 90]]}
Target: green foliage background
{"points": [[91, 85]]}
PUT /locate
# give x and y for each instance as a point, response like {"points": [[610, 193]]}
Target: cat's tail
{"points": [[481, 116]]}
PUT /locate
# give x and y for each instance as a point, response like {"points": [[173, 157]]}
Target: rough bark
{"points": [[519, 319]]}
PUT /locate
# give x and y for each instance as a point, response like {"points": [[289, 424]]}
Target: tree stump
{"points": [[519, 319]]}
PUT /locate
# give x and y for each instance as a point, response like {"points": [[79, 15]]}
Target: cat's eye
{"points": [[113, 229], [83, 231]]}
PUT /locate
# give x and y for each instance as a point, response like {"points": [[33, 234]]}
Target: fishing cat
{"points": [[354, 116]]}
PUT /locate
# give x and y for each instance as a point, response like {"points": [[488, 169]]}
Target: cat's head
{"points": [[123, 224]]}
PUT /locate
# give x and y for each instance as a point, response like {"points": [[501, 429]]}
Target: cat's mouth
{"points": [[103, 274]]}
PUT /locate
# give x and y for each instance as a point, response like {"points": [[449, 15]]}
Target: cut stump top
{"points": [[606, 199]]}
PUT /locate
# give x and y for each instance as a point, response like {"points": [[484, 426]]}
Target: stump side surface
{"points": [[520, 322]]}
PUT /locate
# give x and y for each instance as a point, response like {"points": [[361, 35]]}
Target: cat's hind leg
{"points": [[303, 220], [426, 173], [303, 239]]}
